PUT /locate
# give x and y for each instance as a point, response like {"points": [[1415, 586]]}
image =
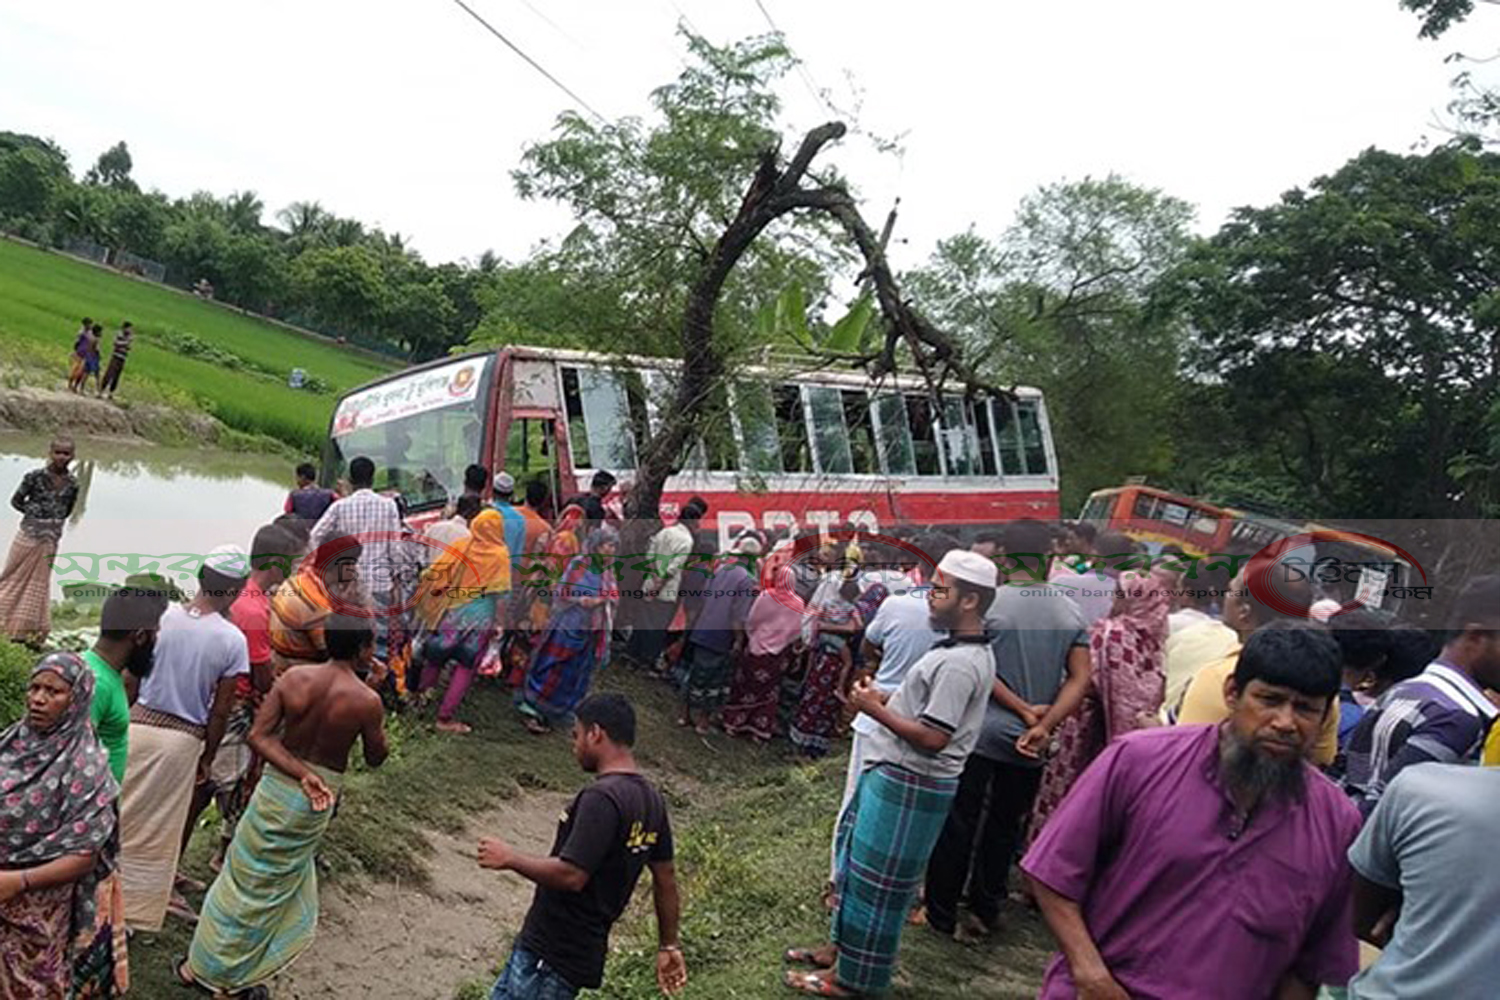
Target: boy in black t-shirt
{"points": [[612, 829]]}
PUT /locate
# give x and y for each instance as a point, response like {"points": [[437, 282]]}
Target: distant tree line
{"points": [[313, 268]]}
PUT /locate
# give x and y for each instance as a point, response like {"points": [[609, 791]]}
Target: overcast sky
{"points": [[410, 116]]}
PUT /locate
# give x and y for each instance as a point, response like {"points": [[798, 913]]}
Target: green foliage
{"points": [[651, 198], [1438, 16], [1356, 326], [16, 662], [112, 169], [851, 332], [10, 142], [340, 284], [1062, 301], [28, 183]]}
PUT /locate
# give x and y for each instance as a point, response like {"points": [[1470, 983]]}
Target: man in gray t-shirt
{"points": [[1042, 668], [1034, 630], [1428, 852]]}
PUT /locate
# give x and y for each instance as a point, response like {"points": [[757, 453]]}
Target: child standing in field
{"points": [[91, 360], [117, 359], [79, 358]]}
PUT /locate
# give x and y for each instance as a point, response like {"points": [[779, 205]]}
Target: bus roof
{"points": [[772, 365], [775, 367]]}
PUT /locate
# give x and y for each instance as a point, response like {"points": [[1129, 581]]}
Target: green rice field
{"points": [[187, 351]]}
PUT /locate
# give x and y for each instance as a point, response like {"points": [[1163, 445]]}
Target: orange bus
{"points": [[1158, 518]]}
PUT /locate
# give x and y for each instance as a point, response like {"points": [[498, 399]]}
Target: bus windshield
{"points": [[421, 430]]}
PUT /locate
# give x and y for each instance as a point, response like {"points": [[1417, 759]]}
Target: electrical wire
{"points": [[530, 61], [802, 71]]}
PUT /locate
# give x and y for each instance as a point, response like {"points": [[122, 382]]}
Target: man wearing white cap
{"points": [[175, 729], [515, 521], [927, 728]]}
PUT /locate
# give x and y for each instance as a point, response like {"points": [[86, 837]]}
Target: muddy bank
{"points": [[46, 411]]}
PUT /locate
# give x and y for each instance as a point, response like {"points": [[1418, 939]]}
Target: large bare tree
{"points": [[782, 187]]}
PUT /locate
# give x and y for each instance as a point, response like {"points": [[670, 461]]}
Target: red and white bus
{"points": [[805, 449]]}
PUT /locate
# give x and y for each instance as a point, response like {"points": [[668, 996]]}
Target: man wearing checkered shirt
{"points": [[375, 521]]}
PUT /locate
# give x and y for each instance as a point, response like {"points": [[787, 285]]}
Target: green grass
{"points": [[44, 295], [752, 847]]}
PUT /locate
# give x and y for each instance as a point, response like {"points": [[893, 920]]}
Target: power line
{"points": [[530, 61], [555, 26], [684, 19], [802, 71]]}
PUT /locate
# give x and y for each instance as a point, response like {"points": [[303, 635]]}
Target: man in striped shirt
{"points": [[117, 358], [387, 566], [1441, 715]]}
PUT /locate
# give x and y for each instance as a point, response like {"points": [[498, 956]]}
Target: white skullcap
{"points": [[1324, 609], [747, 545], [504, 482], [970, 567], [229, 561]]}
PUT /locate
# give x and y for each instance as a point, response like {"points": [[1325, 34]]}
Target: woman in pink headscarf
{"points": [[1126, 647], [775, 635]]}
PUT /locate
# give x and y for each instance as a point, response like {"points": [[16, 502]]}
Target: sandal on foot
{"points": [[535, 726], [818, 984], [184, 975], [808, 956]]}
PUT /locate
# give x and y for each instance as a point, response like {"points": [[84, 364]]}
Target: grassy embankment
{"points": [[188, 354], [752, 833]]}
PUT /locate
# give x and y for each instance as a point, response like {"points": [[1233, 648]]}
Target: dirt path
{"points": [[389, 940]]}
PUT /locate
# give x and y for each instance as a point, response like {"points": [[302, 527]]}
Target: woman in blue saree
{"points": [[576, 642]]}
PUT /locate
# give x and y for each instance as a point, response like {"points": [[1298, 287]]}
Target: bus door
{"points": [[536, 447]]}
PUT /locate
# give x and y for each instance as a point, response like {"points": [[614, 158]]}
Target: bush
{"points": [[16, 662]]}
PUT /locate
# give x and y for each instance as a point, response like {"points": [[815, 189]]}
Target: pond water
{"points": [[143, 508]]}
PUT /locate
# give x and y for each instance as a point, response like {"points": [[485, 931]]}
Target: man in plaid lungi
{"points": [[927, 728]]}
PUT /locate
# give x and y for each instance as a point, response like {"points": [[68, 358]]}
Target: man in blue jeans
{"points": [[612, 829]]}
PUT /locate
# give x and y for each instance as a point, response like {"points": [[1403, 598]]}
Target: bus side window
{"points": [[606, 414], [635, 395], [924, 436], [959, 439], [861, 432], [986, 428], [1097, 510], [761, 447], [895, 435], [1022, 451], [1031, 437], [830, 436], [791, 422], [1147, 507]]}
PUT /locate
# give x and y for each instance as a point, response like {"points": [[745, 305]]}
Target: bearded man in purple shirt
{"points": [[1202, 861]]}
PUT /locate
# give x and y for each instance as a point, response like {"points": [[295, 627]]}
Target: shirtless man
{"points": [[255, 919]]}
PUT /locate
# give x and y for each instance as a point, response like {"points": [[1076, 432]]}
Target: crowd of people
{"points": [[88, 349], [1202, 794]]}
